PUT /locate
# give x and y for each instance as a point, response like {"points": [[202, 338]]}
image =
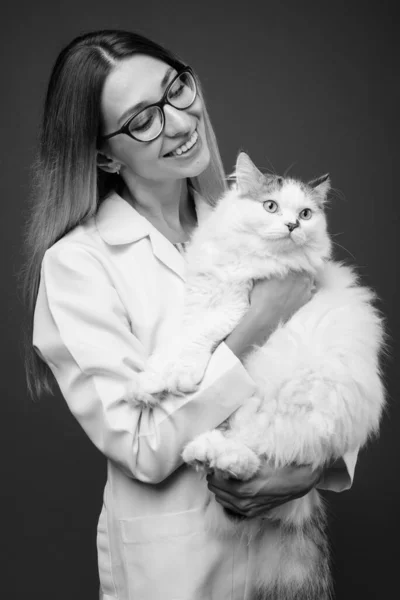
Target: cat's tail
{"points": [[291, 552], [292, 561], [297, 512]]}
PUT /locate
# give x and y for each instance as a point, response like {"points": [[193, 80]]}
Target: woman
{"points": [[128, 166]]}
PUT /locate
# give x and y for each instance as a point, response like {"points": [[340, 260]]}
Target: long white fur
{"points": [[319, 387]]}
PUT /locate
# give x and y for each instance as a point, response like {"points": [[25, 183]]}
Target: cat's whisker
{"points": [[270, 169], [345, 249], [336, 193], [288, 169]]}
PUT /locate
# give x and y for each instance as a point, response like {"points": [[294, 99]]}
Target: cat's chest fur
{"points": [[246, 259]]}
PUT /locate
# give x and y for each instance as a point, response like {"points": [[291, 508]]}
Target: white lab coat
{"points": [[111, 290]]}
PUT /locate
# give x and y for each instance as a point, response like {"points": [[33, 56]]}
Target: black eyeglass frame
{"points": [[164, 100]]}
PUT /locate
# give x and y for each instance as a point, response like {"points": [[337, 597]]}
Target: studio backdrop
{"points": [[304, 88]]}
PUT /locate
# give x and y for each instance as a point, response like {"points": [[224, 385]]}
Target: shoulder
{"points": [[81, 241], [115, 223]]}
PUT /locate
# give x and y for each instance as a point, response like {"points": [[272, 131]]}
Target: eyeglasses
{"points": [[148, 123]]}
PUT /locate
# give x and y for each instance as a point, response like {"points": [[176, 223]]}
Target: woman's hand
{"points": [[280, 298], [268, 489], [271, 301]]}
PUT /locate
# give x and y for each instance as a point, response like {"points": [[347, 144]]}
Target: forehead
{"points": [[295, 194], [135, 79]]}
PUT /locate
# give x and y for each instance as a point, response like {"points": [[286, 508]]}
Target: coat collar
{"points": [[119, 223]]}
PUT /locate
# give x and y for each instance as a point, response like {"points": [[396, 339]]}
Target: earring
{"points": [[117, 171]]}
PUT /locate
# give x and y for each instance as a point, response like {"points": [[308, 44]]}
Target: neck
{"points": [[166, 204]]}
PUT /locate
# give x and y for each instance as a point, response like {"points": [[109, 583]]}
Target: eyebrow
{"points": [[136, 107]]}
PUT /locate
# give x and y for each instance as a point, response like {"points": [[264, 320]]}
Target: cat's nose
{"points": [[292, 226]]}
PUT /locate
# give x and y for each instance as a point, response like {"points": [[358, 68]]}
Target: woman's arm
{"points": [[82, 332], [271, 301], [272, 487], [269, 488]]}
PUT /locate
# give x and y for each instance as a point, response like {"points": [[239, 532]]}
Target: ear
{"points": [[107, 163], [249, 179], [321, 186]]}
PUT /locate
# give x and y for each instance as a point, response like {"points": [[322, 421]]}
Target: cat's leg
{"points": [[190, 365], [149, 388], [151, 383], [138, 396], [176, 371], [203, 331]]}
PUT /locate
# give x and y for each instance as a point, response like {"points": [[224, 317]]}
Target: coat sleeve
{"points": [[82, 332]]}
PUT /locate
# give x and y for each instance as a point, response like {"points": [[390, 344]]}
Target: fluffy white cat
{"points": [[319, 390]]}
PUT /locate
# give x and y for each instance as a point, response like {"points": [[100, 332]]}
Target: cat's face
{"points": [[285, 212]]}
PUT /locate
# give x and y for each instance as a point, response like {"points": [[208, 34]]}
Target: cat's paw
{"points": [[214, 451], [186, 376], [183, 381], [237, 460], [202, 451], [148, 390]]}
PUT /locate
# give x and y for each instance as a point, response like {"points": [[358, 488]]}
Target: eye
{"points": [[176, 90], [305, 214], [270, 206], [142, 121]]}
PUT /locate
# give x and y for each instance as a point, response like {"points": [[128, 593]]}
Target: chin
{"points": [[299, 240], [201, 164], [197, 166]]}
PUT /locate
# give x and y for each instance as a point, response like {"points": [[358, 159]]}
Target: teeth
{"points": [[185, 147]]}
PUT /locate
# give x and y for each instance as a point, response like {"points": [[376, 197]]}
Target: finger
{"points": [[242, 504], [298, 484], [252, 510], [241, 491], [265, 502], [234, 487], [230, 507], [238, 503], [245, 489]]}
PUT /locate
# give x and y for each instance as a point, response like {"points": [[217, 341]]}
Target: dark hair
{"points": [[68, 185]]}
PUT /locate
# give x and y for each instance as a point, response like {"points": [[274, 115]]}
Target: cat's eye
{"points": [[305, 214], [270, 206]]}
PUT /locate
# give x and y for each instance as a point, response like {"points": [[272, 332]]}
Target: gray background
{"points": [[314, 84]]}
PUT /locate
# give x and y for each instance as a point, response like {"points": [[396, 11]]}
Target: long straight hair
{"points": [[68, 186]]}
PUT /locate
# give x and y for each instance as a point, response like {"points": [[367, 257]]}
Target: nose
{"points": [[292, 226], [177, 122]]}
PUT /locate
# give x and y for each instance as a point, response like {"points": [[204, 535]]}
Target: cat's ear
{"points": [[248, 178], [321, 185]]}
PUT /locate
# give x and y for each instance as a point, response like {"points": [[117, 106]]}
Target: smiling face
{"points": [[141, 80]]}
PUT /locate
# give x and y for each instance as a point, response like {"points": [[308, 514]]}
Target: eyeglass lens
{"points": [[148, 124]]}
